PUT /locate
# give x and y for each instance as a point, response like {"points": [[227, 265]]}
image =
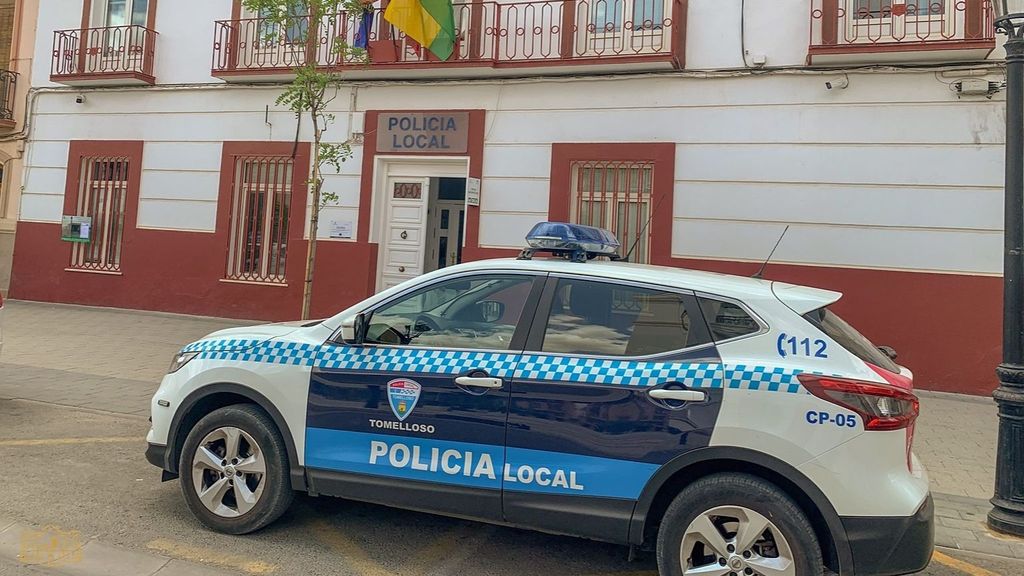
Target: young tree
{"points": [[312, 91]]}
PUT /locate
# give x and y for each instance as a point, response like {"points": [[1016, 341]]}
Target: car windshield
{"points": [[849, 338]]}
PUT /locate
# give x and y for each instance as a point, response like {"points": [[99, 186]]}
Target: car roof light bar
{"points": [[574, 242]]}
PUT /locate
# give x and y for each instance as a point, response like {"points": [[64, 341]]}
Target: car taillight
{"points": [[880, 406]]}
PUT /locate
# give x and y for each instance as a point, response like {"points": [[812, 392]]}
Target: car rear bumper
{"points": [[888, 546]]}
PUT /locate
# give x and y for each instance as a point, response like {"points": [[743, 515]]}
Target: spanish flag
{"points": [[429, 22]]}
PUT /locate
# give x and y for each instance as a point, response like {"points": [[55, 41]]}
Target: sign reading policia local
{"points": [[439, 132]]}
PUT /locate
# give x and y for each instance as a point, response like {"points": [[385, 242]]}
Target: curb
{"points": [[58, 551], [960, 525]]}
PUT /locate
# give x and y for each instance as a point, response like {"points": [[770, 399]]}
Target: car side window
{"points": [[606, 319], [727, 320], [479, 312]]}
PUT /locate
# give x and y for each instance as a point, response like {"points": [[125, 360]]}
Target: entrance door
{"points": [[404, 232], [444, 246]]}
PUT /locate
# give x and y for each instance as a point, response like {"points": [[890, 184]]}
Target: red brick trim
{"points": [[662, 154], [295, 264]]}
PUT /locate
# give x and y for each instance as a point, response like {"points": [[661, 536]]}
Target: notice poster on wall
{"points": [[75, 228], [341, 229], [472, 191]]}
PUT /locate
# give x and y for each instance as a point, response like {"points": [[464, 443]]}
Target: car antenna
{"points": [[642, 230], [760, 273]]}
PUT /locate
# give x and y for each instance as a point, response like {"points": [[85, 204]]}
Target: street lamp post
{"points": [[1007, 513]]}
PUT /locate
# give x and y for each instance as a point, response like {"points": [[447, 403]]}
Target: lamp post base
{"points": [[1007, 515]]}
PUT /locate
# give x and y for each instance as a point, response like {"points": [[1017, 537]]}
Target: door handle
{"points": [[678, 395], [478, 382]]}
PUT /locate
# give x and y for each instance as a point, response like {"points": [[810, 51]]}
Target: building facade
{"points": [[872, 129], [17, 46]]}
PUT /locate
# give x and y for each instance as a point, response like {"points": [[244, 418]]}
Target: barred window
{"points": [[261, 198], [616, 196], [102, 196]]}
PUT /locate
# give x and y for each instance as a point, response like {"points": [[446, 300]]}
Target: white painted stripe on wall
{"points": [[177, 214], [169, 185], [514, 195], [346, 186], [517, 161], [42, 207], [810, 124], [905, 165], [46, 181], [47, 154], [202, 156], [937, 250], [884, 206], [507, 230]]}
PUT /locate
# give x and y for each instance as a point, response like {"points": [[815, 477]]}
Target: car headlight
{"points": [[180, 359]]}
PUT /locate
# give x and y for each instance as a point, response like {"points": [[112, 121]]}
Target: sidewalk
{"points": [[113, 360]]}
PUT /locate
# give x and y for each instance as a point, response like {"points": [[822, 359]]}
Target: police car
{"points": [[735, 425]]}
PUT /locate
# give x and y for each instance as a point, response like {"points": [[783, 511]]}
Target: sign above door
{"points": [[423, 132]]}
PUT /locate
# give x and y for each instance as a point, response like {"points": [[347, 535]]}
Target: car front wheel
{"points": [[736, 524], [234, 470]]}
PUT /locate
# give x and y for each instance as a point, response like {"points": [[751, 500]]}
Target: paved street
{"points": [[74, 389]]}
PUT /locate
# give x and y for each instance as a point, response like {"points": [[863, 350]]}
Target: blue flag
{"points": [[363, 33]]}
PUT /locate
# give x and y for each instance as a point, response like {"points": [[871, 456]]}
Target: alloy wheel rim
{"points": [[735, 540], [229, 472]]}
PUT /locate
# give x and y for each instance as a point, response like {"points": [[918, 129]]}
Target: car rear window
{"points": [[727, 320], [847, 336]]}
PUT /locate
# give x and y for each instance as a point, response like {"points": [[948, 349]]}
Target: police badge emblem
{"points": [[403, 395]]}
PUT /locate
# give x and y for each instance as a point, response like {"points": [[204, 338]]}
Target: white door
{"points": [[404, 230], [447, 217]]}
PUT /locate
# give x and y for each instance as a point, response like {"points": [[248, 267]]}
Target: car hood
{"points": [[243, 337]]}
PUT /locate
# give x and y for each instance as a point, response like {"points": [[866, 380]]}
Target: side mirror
{"points": [[491, 310], [888, 351], [353, 332]]}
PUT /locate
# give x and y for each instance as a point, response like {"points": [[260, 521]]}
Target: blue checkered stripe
{"points": [[220, 344], [619, 372], [753, 377], [270, 352], [505, 365], [414, 360]]}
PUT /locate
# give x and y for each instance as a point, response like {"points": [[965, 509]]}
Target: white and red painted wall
{"points": [[892, 187]]}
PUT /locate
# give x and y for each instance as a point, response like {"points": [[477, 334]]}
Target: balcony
{"points": [[8, 94], [115, 55], [900, 31], [493, 38]]}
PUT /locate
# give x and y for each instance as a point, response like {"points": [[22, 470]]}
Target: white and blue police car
{"points": [[736, 425]]}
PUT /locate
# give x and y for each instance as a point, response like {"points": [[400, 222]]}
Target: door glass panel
{"points": [[476, 313], [609, 320], [117, 12], [140, 12]]}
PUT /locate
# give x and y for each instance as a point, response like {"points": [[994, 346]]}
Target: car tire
{"points": [[243, 499], [735, 507]]}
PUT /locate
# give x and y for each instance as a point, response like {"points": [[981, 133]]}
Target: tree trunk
{"points": [[314, 218]]}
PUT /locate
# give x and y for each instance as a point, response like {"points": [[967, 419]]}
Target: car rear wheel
{"points": [[234, 470], [736, 525]]}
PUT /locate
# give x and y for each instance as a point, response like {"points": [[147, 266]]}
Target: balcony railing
{"points": [[489, 34], [924, 27], [110, 55], [8, 91]]}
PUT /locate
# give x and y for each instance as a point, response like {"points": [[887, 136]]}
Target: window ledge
{"points": [[254, 283], [87, 271]]}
